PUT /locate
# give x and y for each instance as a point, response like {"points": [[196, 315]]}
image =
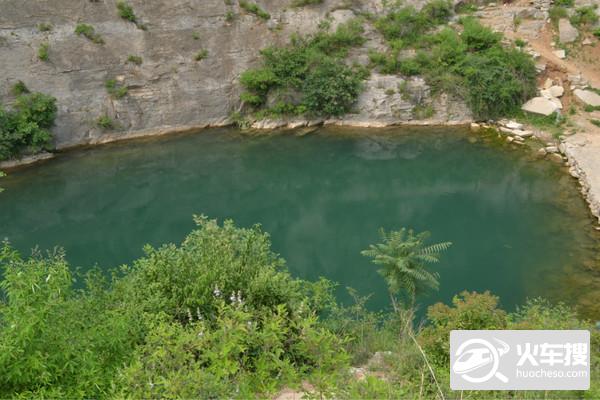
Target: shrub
{"points": [[253, 8], [595, 122], [556, 13], [585, 16], [43, 51], [313, 68], [126, 11], [564, 3], [19, 88], [331, 88], [44, 27], [105, 122], [58, 340], [115, 90], [229, 16], [201, 55], [478, 37], [25, 129], [469, 311], [137, 60], [89, 32], [499, 81], [301, 3]]}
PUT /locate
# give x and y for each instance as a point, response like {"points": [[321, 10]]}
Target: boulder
{"points": [[567, 33], [540, 105], [522, 133], [556, 91], [588, 97], [560, 53], [513, 125]]}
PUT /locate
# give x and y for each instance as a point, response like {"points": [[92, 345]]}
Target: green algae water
{"points": [[518, 225]]}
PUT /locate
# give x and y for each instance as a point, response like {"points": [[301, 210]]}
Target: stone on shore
{"points": [[556, 91], [540, 105], [560, 54], [588, 97], [567, 32]]}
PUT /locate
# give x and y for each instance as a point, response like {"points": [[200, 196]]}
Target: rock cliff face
{"points": [[170, 89]]}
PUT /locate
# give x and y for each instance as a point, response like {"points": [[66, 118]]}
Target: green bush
{"points": [[201, 55], [59, 341], [331, 88], [311, 66], [219, 316], [44, 27], [115, 89], [564, 3], [25, 129], [478, 37], [89, 32], [585, 16], [137, 60], [253, 8], [499, 81], [105, 122], [19, 88], [410, 25], [301, 3], [126, 11], [469, 311], [43, 51]]}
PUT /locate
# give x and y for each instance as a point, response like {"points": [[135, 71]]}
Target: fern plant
{"points": [[403, 257]]}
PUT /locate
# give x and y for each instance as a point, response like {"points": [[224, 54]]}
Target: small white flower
{"points": [[217, 292]]}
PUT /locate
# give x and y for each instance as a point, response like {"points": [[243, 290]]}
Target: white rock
{"points": [[556, 157], [475, 126], [551, 149], [586, 42], [567, 32], [542, 151], [509, 139], [557, 102], [523, 134], [513, 125], [560, 53], [548, 83], [540, 105], [546, 94], [556, 91], [506, 130], [588, 97]]}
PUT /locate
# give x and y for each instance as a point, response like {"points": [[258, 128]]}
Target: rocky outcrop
{"points": [[172, 88], [567, 32], [587, 97], [540, 105]]}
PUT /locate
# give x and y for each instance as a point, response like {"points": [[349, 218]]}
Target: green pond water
{"points": [[519, 227]]}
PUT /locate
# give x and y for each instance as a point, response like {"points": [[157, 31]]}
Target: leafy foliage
{"points": [[43, 51], [115, 89], [253, 8], [220, 317], [25, 129], [137, 60], [403, 257], [89, 32], [495, 80], [55, 340], [126, 11], [313, 67]]}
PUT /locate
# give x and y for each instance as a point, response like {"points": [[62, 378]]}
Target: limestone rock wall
{"points": [[170, 90]]}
